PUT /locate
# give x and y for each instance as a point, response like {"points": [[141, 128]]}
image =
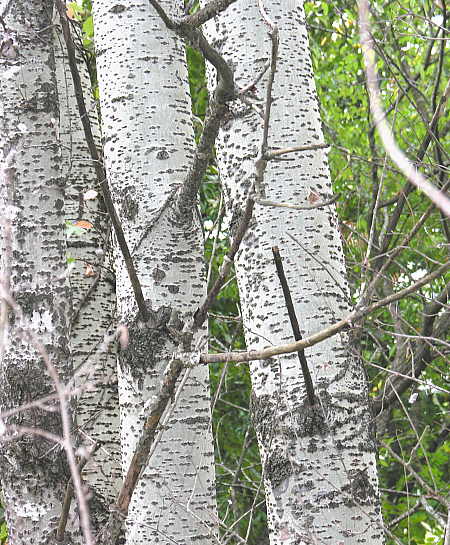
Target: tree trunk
{"points": [[92, 291], [148, 144], [318, 461], [33, 468]]}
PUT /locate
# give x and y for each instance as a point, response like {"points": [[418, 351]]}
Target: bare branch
{"points": [[295, 327], [324, 333], [260, 167], [409, 469], [189, 190], [65, 420], [203, 15], [294, 149], [202, 312], [263, 202], [119, 510]]}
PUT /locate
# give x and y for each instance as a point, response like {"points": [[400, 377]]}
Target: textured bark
{"points": [[33, 468], [148, 143], [319, 462], [92, 291]]}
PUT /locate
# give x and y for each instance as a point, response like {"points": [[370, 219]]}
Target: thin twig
{"points": [[66, 422], [408, 467], [68, 501], [294, 324]]}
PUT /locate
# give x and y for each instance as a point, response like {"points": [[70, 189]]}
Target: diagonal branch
{"points": [[224, 92], [320, 336], [119, 510], [203, 15], [260, 167], [295, 327], [98, 165]]}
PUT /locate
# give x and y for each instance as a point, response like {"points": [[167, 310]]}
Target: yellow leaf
{"points": [[70, 12]]}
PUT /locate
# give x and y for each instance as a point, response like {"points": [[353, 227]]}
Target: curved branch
{"points": [[324, 333]]}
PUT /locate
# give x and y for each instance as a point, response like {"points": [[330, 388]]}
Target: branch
{"points": [[66, 421], [408, 467], [263, 202], [203, 15], [224, 92], [68, 500], [260, 167], [422, 354], [324, 333], [98, 166], [202, 312], [119, 510], [385, 132], [189, 190], [294, 149], [295, 327]]}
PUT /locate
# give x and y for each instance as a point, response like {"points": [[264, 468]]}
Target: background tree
{"points": [[91, 279]]}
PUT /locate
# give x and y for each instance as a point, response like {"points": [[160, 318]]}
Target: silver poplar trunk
{"points": [[92, 292], [319, 466], [148, 144], [33, 468]]}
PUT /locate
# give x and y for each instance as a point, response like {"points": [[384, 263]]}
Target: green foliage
{"points": [[407, 52]]}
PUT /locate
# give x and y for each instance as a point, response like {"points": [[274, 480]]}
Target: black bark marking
{"points": [[146, 343], [277, 468], [262, 410]]}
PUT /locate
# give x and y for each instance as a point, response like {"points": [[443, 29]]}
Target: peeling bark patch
{"points": [[278, 469]]}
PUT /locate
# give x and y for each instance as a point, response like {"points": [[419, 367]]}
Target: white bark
{"points": [[319, 465], [148, 144], [33, 469], [92, 292]]}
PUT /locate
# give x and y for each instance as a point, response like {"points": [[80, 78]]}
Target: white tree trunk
{"points": [[92, 291], [148, 144], [33, 468], [319, 465]]}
